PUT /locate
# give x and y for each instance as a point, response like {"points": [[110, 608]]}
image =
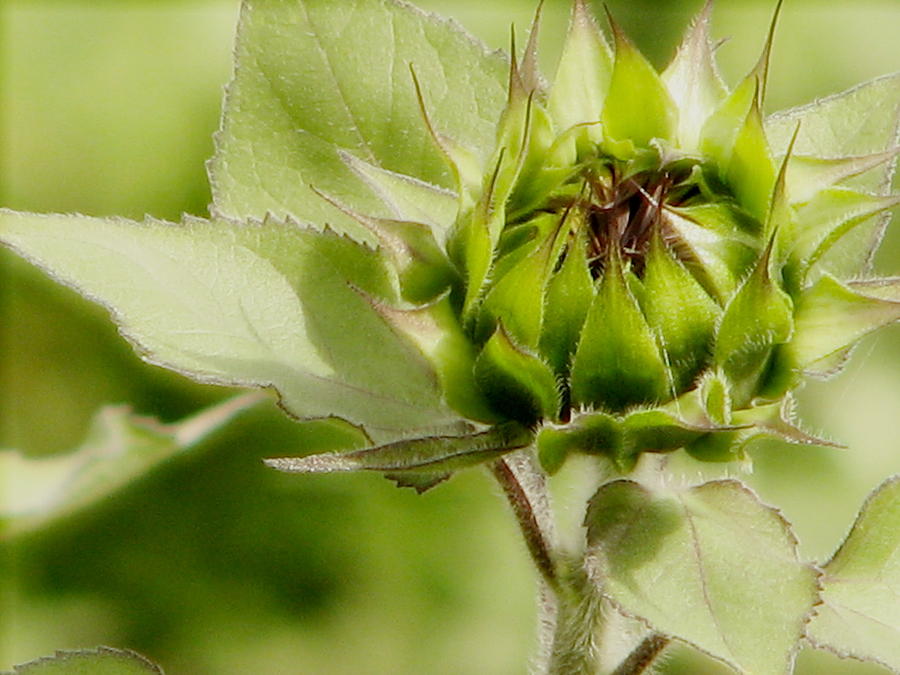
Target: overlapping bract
{"points": [[636, 269], [622, 262]]}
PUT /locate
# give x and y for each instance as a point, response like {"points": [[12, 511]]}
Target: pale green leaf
{"points": [[831, 316], [100, 661], [859, 122], [120, 447], [723, 569], [830, 216], [268, 304], [807, 175], [406, 197], [313, 77], [860, 614]]}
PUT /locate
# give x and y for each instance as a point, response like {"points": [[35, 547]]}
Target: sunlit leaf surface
{"points": [[710, 565]]}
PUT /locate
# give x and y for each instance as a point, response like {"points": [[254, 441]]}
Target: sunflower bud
{"points": [[634, 270]]}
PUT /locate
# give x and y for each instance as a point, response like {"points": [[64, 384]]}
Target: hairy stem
{"points": [[525, 490], [643, 655], [574, 650]]}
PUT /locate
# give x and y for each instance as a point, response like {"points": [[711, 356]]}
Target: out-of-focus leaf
{"points": [[860, 614], [269, 304], [722, 567], [314, 77], [119, 448], [100, 661]]}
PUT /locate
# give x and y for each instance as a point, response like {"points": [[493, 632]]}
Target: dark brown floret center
{"points": [[622, 214]]}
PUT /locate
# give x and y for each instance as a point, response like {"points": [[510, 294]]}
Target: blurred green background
{"points": [[213, 565]]}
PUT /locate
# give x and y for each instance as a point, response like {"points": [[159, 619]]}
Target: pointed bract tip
{"points": [[529, 71], [761, 69], [617, 31]]}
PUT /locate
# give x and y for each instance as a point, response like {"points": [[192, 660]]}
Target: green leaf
{"points": [[831, 215], [638, 106], [617, 363], [408, 198], [720, 130], [861, 121], [517, 298], [831, 316], [749, 171], [860, 614], [722, 567], [694, 82], [313, 77], [430, 456], [620, 438], [808, 175], [100, 661], [268, 304], [120, 447], [516, 382], [582, 77]]}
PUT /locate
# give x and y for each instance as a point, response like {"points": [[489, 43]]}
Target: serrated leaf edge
{"points": [[794, 542]]}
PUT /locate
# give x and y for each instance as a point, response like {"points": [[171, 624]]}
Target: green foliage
{"points": [[859, 615], [710, 565], [314, 78], [439, 259], [101, 661], [120, 447]]}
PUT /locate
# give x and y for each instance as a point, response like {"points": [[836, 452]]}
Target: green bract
{"points": [[459, 260], [634, 269]]}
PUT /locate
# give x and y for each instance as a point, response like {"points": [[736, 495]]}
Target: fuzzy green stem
{"points": [[643, 656], [529, 505], [574, 650]]}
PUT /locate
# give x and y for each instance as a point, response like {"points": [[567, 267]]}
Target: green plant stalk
{"points": [[569, 602]]}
